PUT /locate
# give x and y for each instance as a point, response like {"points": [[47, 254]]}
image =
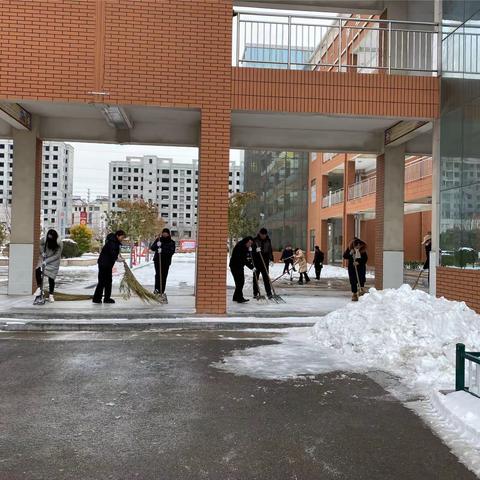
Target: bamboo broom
{"points": [[130, 284], [68, 297]]}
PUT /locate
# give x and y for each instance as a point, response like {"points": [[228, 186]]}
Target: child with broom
{"points": [[108, 256]]}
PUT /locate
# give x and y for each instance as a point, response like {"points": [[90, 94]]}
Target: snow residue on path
{"points": [[406, 333]]}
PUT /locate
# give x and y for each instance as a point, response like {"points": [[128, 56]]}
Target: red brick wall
{"points": [[416, 227], [459, 284], [348, 93]]}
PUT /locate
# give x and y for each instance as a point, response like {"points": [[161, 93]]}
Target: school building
{"points": [[396, 81]]}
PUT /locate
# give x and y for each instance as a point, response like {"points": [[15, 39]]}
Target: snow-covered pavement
{"points": [[407, 334]]}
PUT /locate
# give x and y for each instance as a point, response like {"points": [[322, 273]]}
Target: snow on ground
{"points": [[408, 334]]}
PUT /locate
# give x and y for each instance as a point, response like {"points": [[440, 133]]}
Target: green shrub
{"points": [[70, 249]]}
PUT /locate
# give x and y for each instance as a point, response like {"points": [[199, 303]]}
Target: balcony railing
{"points": [[413, 172], [301, 42], [363, 188], [418, 170], [333, 198]]}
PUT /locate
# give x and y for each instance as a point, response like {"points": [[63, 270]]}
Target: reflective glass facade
{"points": [[280, 181], [460, 135]]}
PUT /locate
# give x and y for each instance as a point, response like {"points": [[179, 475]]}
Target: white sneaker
{"points": [[38, 291], [51, 299]]}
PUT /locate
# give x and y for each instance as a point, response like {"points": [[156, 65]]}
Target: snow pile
{"points": [[405, 332]]}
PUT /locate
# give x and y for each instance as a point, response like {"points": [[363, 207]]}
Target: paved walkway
{"points": [[149, 406]]}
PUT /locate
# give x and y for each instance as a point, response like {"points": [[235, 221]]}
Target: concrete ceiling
{"points": [[312, 132], [181, 127], [348, 6], [86, 122]]}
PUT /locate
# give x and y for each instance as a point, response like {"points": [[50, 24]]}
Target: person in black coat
{"points": [[287, 258], [318, 262], [357, 257], [241, 257], [108, 256], [427, 243], [164, 248], [262, 254]]}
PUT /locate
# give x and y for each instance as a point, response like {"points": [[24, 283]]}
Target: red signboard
{"points": [[83, 218], [188, 245]]}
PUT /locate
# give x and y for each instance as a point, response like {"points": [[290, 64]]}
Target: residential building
{"points": [[93, 214], [172, 186], [56, 185]]}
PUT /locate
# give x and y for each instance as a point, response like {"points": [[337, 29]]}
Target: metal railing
{"points": [[363, 188], [469, 380], [361, 42], [328, 156], [418, 170], [333, 198]]}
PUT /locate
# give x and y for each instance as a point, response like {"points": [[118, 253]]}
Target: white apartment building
{"points": [[57, 184], [173, 186]]}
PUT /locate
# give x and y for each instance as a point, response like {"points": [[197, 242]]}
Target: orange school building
{"points": [[170, 73]]}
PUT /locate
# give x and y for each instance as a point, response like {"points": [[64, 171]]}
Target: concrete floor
{"points": [[138, 405]]}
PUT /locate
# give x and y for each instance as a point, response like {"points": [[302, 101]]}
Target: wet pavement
{"points": [[149, 405]]}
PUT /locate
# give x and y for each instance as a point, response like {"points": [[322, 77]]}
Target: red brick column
{"points": [[323, 243], [212, 208], [379, 205]]}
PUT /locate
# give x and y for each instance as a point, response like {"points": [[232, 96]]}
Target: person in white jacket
{"points": [[48, 262]]}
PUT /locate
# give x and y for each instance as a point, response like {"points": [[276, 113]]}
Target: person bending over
{"points": [[108, 256]]}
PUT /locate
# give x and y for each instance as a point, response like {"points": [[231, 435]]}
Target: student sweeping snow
{"points": [[241, 257], [164, 248], [108, 256], [357, 257], [262, 255], [48, 262]]}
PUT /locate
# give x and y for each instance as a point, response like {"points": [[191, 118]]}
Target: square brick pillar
{"points": [[212, 208], [25, 213], [323, 243], [389, 218]]}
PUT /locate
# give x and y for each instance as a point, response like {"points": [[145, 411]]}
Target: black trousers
{"points": [[164, 271], [302, 275], [352, 276], [239, 277], [38, 278], [286, 268], [266, 282], [318, 271], [104, 286]]}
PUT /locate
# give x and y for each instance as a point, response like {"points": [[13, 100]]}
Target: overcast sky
{"points": [[91, 162]]}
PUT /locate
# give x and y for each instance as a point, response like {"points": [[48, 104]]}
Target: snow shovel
{"points": [[259, 297], [40, 299], [418, 279], [276, 298], [359, 287], [279, 277]]}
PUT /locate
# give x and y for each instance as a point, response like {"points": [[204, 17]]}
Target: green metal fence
{"points": [[467, 374]]}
